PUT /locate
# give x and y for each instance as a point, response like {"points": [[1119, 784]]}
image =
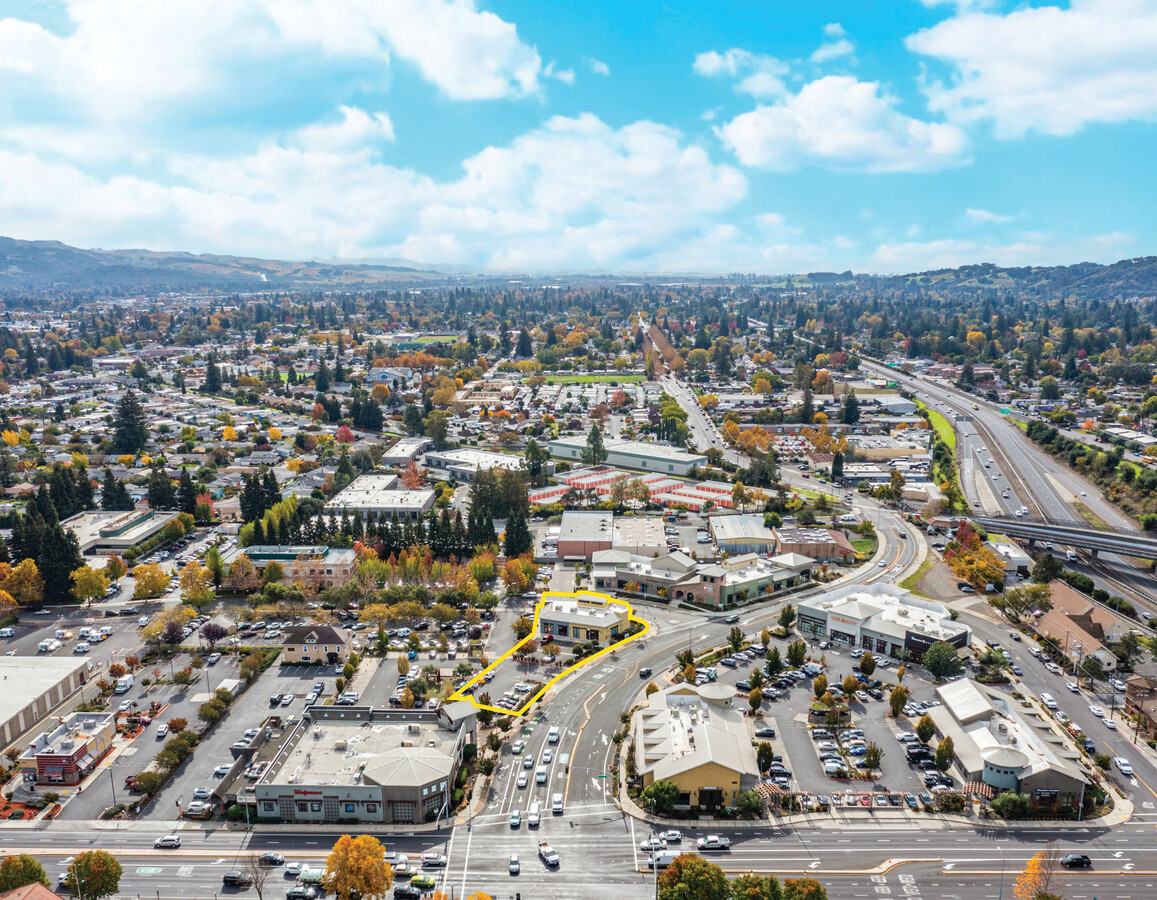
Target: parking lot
{"points": [[870, 723]]}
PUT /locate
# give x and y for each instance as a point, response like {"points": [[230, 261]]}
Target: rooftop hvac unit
{"points": [[317, 732], [340, 744], [1003, 728], [1012, 740], [407, 743], [414, 728]]}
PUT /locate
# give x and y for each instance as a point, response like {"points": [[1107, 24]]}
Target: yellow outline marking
{"points": [[479, 679]]}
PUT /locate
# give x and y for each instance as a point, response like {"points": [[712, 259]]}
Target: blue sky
{"points": [[581, 136]]}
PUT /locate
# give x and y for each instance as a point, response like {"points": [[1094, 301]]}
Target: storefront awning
{"points": [[86, 761]]}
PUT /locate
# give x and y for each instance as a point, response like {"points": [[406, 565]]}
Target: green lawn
{"points": [[909, 583], [941, 426], [592, 379]]}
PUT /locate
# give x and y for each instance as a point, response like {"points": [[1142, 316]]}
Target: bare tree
{"points": [[257, 870]]}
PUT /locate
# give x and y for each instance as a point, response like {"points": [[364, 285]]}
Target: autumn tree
{"points": [[898, 699], [94, 874], [18, 871], [413, 477], [691, 877], [925, 728], [197, 585], [25, 583], [944, 753], [1040, 876], [803, 889], [151, 581], [867, 665], [88, 584], [358, 865], [115, 569]]}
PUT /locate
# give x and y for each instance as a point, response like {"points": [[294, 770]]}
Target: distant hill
{"points": [[53, 266]]}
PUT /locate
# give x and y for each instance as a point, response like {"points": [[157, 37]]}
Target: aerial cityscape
{"points": [[456, 450]]}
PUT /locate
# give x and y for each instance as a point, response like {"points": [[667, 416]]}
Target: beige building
{"points": [[34, 686], [586, 617], [315, 567], [316, 643], [693, 737]]}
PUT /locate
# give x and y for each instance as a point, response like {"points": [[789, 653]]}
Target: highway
{"points": [[1034, 479]]}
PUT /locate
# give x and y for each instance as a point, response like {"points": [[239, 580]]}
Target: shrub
{"points": [[951, 802]]}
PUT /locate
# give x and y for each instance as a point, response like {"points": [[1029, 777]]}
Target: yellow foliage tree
{"points": [[229, 434], [115, 568], [11, 438], [274, 433], [1038, 878], [88, 583], [151, 581], [7, 604], [25, 583], [358, 864]]}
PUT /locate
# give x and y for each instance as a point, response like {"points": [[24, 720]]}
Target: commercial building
{"points": [[106, 533], [378, 500], [315, 567], [817, 543], [650, 457], [1007, 746], [1016, 561], [583, 617], [69, 753], [348, 763], [405, 451], [742, 534], [640, 535], [315, 643], [695, 738], [886, 447], [677, 577], [882, 618], [583, 534], [1141, 700], [598, 481], [461, 465], [1079, 627], [31, 687]]}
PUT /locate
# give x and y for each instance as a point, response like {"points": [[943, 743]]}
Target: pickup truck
{"points": [[714, 842], [548, 853]]}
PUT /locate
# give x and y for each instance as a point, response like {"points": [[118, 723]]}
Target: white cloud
{"points": [[759, 75], [572, 194], [566, 76], [843, 123], [126, 60], [835, 45], [961, 4], [1046, 69], [1031, 250], [984, 217], [598, 66]]}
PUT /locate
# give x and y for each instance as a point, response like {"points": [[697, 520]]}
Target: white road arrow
{"points": [[1127, 866], [1118, 854], [948, 866], [814, 865]]}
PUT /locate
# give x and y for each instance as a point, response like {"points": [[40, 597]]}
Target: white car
{"points": [[514, 865], [293, 869], [1097, 711], [522, 779], [1124, 765], [202, 793], [671, 836], [1074, 687], [653, 844], [1110, 724]]}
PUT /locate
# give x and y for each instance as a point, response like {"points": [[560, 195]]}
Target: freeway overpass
{"points": [[1111, 540]]}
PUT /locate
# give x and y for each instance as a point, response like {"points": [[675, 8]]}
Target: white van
{"points": [[7, 632], [124, 684], [556, 804], [552, 735], [1047, 699], [81, 647], [540, 775], [534, 815], [1072, 555], [45, 646]]}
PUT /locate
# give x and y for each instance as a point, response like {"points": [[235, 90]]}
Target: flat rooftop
{"points": [[340, 753], [478, 459], [22, 679], [377, 492], [586, 526], [121, 528], [746, 527]]}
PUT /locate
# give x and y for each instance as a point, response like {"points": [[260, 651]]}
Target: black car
{"points": [[271, 859], [1076, 861], [406, 892], [645, 672], [766, 731], [731, 620], [237, 879], [875, 693]]}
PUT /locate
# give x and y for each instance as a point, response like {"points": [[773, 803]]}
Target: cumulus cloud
{"points": [[835, 45], [1046, 69], [574, 193], [598, 66], [840, 122], [127, 60], [759, 75]]}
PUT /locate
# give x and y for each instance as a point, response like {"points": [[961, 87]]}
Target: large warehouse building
{"points": [[33, 687], [644, 455], [378, 500]]}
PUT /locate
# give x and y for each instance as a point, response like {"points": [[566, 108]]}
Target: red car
{"points": [[547, 638]]}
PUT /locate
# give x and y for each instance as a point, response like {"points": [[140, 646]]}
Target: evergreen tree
{"points": [[5, 556], [837, 467], [186, 493], [258, 534], [518, 539], [130, 431], [85, 499], [525, 347], [270, 490], [63, 493], [59, 558], [594, 453], [412, 418], [807, 412], [161, 494], [850, 414], [322, 379], [46, 507], [212, 384]]}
